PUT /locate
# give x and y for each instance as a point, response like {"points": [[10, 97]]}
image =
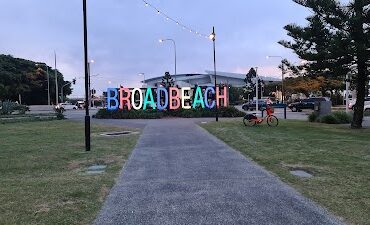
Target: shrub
{"points": [[154, 114], [7, 107], [59, 113], [313, 117], [329, 119], [22, 109], [342, 117], [338, 117], [367, 113]]}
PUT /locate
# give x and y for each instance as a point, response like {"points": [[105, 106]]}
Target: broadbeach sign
{"points": [[166, 98]]}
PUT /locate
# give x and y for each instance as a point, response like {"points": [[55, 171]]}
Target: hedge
{"points": [[154, 114], [333, 118]]}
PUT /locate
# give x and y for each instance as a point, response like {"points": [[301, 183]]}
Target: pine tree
{"points": [[250, 83], [334, 43], [167, 80]]}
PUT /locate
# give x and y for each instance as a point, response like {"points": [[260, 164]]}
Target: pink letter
{"points": [[219, 97], [124, 99], [174, 98]]}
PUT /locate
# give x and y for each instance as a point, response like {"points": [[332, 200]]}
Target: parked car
{"points": [[352, 103], [252, 105], [66, 106], [367, 108], [308, 103], [80, 104]]}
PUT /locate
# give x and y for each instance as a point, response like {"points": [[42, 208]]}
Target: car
{"points": [[80, 104], [308, 103], [367, 108], [252, 105], [66, 106], [352, 103]]}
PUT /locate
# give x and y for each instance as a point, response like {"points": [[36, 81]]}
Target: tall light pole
{"points": [[87, 116], [62, 94], [89, 73], [257, 78], [212, 36], [142, 74], [282, 75], [56, 79], [47, 73], [347, 92], [174, 47]]}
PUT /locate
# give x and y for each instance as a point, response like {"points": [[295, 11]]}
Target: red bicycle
{"points": [[252, 120]]}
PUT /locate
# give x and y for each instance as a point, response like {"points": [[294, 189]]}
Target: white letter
{"points": [[185, 97], [133, 99]]}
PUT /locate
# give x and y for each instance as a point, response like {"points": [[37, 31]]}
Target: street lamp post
{"points": [[142, 74], [56, 79], [47, 74], [257, 78], [282, 76], [89, 82], [212, 36], [347, 91], [87, 116], [62, 97], [174, 47]]}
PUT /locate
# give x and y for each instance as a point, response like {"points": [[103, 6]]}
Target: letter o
{"points": [[134, 106]]}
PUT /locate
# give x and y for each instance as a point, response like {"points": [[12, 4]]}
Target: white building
{"points": [[206, 79]]}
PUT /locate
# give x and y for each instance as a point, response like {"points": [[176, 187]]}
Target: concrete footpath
{"points": [[180, 174]]}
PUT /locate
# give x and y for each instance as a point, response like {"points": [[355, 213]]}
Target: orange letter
{"points": [[175, 98], [220, 97], [124, 99]]}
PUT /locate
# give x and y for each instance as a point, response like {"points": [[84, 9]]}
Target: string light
{"points": [[168, 18]]}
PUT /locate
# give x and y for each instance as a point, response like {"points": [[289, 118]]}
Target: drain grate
{"points": [[117, 134], [301, 173], [96, 169]]}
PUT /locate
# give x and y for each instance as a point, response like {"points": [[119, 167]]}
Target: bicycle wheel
{"points": [[272, 121], [249, 123]]}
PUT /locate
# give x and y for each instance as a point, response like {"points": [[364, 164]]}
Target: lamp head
{"points": [[212, 36]]}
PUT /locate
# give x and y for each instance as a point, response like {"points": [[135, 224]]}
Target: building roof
{"points": [[226, 75]]}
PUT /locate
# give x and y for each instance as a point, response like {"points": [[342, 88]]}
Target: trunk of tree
{"points": [[360, 39]]}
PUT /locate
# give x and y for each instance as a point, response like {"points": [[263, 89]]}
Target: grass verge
{"points": [[338, 157], [42, 171]]}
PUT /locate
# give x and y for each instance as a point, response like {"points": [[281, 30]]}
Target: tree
{"points": [[250, 84], [334, 43], [235, 94], [167, 80], [20, 77]]}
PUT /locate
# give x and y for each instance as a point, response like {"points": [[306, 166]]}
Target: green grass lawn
{"points": [[42, 171], [338, 157]]}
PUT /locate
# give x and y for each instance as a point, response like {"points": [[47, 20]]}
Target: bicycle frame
{"points": [[269, 118]]}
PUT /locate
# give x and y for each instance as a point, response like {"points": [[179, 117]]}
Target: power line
{"points": [[177, 22]]}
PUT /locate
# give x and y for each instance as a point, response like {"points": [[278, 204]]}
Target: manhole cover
{"points": [[301, 173], [96, 169], [118, 133]]}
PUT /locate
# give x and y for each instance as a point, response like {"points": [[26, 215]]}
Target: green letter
{"points": [[147, 101], [198, 99]]}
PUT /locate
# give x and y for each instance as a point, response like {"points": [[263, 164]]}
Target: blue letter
{"points": [[112, 98], [212, 90], [159, 106]]}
